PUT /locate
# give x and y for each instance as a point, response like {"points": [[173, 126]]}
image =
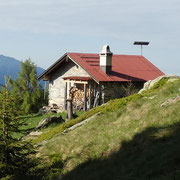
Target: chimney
{"points": [[106, 59]]}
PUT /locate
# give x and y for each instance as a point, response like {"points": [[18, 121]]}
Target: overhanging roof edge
{"points": [[51, 67]]}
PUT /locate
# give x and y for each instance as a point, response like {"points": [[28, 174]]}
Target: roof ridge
{"points": [[113, 54]]}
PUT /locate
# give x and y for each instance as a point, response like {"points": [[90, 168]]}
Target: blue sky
{"points": [[44, 30]]}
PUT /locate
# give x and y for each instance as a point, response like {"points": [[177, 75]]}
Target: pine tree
{"points": [[14, 153]]}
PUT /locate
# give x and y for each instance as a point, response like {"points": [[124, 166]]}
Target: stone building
{"points": [[92, 79]]}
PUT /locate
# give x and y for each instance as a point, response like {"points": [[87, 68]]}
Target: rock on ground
{"points": [[35, 133], [83, 122], [49, 120], [47, 109], [151, 83], [171, 101]]}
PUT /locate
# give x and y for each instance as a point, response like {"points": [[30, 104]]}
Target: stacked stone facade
{"points": [[57, 83]]}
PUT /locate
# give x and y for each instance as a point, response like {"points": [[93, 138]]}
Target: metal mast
{"points": [[141, 43]]}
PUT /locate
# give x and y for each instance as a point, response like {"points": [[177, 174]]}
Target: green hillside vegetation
{"points": [[29, 122], [133, 138]]}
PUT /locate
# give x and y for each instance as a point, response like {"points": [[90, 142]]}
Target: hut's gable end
{"points": [[57, 83]]}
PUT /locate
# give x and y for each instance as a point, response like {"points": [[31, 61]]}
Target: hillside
{"points": [[133, 138], [10, 66]]}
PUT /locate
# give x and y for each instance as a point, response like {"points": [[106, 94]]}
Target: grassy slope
{"points": [[29, 122], [138, 141]]}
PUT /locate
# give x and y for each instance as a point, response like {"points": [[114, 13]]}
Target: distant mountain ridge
{"points": [[11, 67]]}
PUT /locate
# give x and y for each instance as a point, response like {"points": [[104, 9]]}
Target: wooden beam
{"points": [[67, 59], [94, 93], [85, 100], [100, 94], [65, 96], [78, 82], [90, 98], [46, 78], [94, 90], [96, 100], [68, 89]]}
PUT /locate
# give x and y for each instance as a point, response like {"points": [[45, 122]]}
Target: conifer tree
{"points": [[8, 122], [27, 88], [14, 154]]}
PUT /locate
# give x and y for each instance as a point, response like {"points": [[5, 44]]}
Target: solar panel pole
{"points": [[141, 43]]}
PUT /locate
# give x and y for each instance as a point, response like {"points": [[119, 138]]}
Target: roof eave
{"points": [[41, 76]]}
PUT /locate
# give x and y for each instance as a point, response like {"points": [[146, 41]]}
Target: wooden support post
{"points": [[65, 96], [94, 90], [96, 96], [90, 98], [94, 93], [100, 94], [69, 108], [69, 87], [85, 100]]}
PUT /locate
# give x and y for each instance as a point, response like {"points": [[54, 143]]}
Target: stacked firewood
{"points": [[77, 96]]}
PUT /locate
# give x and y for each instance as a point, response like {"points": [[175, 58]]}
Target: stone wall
{"points": [[57, 84]]}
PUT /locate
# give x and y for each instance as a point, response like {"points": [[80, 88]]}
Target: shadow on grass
{"points": [[151, 154]]}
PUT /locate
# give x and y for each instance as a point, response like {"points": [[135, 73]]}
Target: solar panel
{"points": [[141, 43]]}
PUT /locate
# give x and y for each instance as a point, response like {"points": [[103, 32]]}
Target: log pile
{"points": [[77, 96]]}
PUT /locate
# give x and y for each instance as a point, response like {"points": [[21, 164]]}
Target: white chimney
{"points": [[106, 59]]}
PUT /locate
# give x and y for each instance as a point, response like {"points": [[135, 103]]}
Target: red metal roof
{"points": [[124, 67]]}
